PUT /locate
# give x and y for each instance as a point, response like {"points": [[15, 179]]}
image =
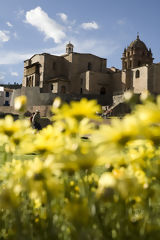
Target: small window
{"points": [[6, 103], [27, 82], [81, 91], [52, 87], [7, 94], [137, 74], [102, 91], [37, 69], [139, 63], [130, 64], [89, 66]]}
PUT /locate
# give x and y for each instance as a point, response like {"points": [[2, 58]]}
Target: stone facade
{"points": [[71, 73], [5, 96], [136, 55], [139, 73], [75, 75]]}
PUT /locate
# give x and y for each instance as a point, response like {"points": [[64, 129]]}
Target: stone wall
{"points": [[94, 81], [80, 64], [44, 110], [117, 85], [154, 78], [140, 84], [35, 98]]}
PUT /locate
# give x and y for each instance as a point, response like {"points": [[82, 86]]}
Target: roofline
{"points": [[67, 54], [64, 55], [41, 54]]}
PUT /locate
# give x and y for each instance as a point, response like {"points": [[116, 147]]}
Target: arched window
{"points": [[89, 66], [30, 82], [102, 91], [63, 89], [130, 63], [137, 74], [27, 81]]}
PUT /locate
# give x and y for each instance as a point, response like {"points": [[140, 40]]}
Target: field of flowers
{"points": [[56, 185]]}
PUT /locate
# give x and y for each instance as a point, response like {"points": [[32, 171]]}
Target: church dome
{"points": [[138, 44], [136, 55]]}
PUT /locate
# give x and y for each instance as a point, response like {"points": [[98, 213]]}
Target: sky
{"points": [[100, 27]]}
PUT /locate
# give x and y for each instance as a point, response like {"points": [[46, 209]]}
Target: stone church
{"points": [[75, 75], [139, 73]]}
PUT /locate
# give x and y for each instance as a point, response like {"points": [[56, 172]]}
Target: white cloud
{"points": [[9, 24], [101, 48], [15, 74], [63, 16], [121, 22], [4, 36], [58, 50], [51, 29], [90, 25], [98, 47], [13, 57]]}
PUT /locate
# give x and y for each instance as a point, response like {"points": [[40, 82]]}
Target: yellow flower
{"points": [[49, 140], [72, 183], [36, 220], [76, 188], [77, 110], [16, 135], [20, 103]]}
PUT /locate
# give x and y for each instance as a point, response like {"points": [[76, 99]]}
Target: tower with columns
{"points": [[136, 55]]}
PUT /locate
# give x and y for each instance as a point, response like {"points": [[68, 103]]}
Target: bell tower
{"points": [[136, 55], [69, 48]]}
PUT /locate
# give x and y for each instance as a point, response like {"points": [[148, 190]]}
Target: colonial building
{"points": [[74, 73], [139, 73], [136, 55], [5, 96], [86, 75]]}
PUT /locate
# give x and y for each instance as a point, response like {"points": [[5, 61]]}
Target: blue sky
{"points": [[100, 27]]}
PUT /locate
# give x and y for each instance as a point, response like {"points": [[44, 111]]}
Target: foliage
{"points": [[104, 188]]}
